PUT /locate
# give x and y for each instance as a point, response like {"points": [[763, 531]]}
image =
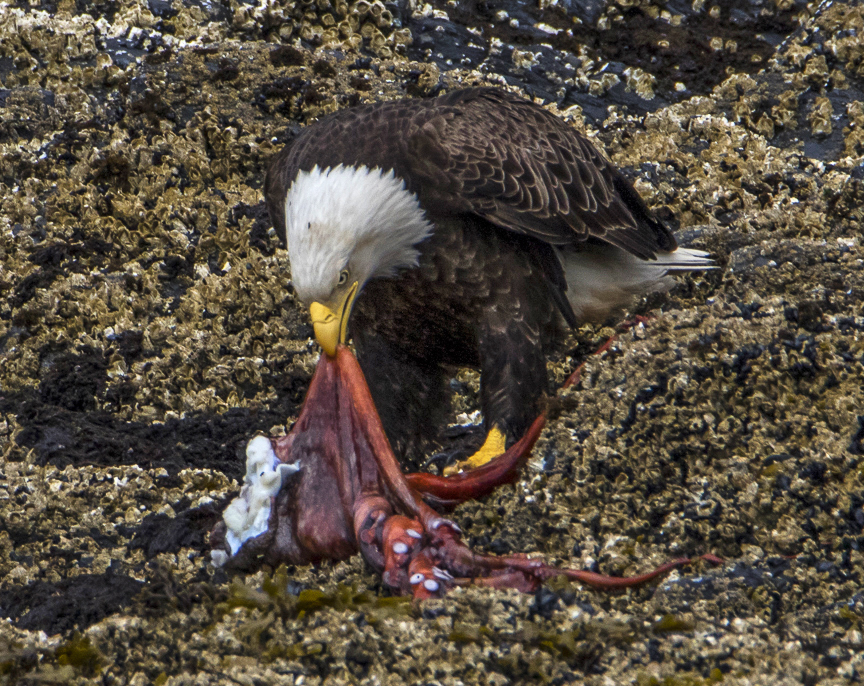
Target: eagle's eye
{"points": [[343, 277]]}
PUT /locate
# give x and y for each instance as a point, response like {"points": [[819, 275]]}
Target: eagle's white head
{"points": [[344, 226]]}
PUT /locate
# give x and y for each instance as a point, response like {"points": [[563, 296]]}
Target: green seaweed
{"points": [[80, 654], [274, 605], [849, 614], [669, 623], [577, 647], [684, 679]]}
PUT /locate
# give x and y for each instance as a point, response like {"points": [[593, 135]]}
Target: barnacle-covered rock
{"points": [[148, 331]]}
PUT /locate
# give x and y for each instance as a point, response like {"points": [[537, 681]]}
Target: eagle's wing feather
{"points": [[535, 175]]}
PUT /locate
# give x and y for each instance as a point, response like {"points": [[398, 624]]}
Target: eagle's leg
{"points": [[494, 444], [512, 381], [448, 491]]}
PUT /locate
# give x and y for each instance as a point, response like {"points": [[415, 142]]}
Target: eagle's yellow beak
{"points": [[331, 328]]}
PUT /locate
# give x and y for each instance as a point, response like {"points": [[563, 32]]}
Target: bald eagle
{"points": [[463, 230]]}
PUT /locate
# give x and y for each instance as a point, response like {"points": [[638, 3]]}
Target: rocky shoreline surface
{"points": [[147, 332]]}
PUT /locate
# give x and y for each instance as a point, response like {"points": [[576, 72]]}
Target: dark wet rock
{"points": [[164, 9], [190, 528], [69, 604], [59, 436], [566, 52], [545, 603]]}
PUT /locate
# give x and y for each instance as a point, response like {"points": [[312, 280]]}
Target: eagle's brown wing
{"points": [[485, 151], [526, 170]]}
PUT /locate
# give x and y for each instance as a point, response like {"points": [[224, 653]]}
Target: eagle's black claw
{"points": [[443, 459]]}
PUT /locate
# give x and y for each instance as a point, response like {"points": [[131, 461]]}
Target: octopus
{"points": [[332, 488]]}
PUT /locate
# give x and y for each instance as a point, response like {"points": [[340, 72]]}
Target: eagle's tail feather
{"points": [[684, 260], [602, 278]]}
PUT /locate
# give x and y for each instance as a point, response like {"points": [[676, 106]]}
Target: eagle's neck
{"points": [[357, 218]]}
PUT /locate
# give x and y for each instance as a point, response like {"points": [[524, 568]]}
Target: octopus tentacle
{"points": [[367, 418], [478, 483], [371, 512]]}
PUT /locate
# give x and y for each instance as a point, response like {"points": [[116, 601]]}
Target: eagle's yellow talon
{"points": [[494, 445]]}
